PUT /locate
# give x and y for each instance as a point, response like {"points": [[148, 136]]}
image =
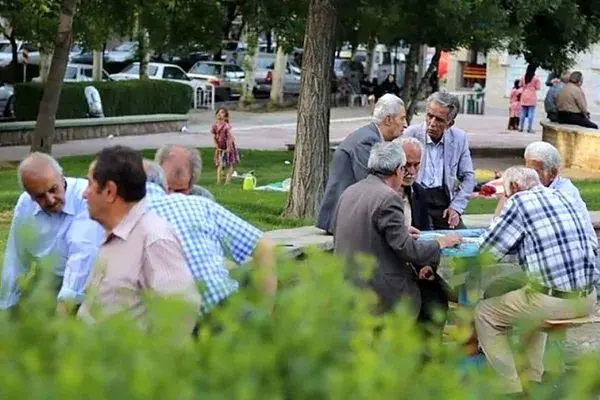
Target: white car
{"points": [[160, 71], [6, 53], [79, 73]]}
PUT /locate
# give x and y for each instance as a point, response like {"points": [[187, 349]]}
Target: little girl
{"points": [[514, 106], [226, 154]]}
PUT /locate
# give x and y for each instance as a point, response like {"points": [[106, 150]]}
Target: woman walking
{"points": [[529, 85]]}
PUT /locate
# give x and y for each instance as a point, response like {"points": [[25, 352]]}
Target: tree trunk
{"points": [[97, 66], [45, 63], [144, 52], [15, 56], [269, 41], [411, 106], [278, 77], [371, 60], [249, 65], [44, 127], [410, 76], [310, 169]]}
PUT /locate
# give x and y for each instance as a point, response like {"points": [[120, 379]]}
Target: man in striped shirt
{"points": [[548, 234]]}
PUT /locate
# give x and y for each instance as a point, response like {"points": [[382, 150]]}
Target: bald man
{"points": [[182, 166], [51, 227]]}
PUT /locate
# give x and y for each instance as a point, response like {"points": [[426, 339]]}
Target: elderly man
{"points": [[370, 219], [415, 208], [546, 231], [349, 164], [447, 160], [50, 225], [182, 166], [572, 105], [552, 96], [141, 254], [208, 232]]}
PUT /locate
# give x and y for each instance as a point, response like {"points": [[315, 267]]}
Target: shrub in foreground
{"points": [[318, 344]]}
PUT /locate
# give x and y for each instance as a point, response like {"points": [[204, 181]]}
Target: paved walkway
{"points": [[275, 130]]}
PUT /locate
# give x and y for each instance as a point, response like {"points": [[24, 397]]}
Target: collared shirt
{"points": [[433, 170], [141, 254], [68, 240], [207, 231], [548, 235]]}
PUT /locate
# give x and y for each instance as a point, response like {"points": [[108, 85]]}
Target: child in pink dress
{"points": [[226, 153], [514, 107]]}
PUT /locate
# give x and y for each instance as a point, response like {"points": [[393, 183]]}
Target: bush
{"points": [[319, 344], [133, 97], [14, 73]]}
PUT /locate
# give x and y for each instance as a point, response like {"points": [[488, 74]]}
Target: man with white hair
{"points": [[50, 227], [447, 171], [369, 219], [182, 166], [349, 164], [547, 233]]}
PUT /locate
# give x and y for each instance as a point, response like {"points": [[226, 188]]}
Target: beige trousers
{"points": [[495, 316]]}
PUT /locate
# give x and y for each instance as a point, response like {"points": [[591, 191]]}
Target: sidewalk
{"points": [[272, 131]]}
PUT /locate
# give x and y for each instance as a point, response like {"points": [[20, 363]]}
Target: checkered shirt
{"points": [[547, 232], [207, 232]]}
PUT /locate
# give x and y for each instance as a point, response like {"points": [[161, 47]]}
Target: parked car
{"points": [[228, 79], [263, 75], [126, 51], [7, 100], [6, 52], [79, 73]]}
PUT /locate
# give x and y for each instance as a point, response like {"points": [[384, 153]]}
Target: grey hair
{"points": [[155, 173], [576, 77], [406, 140], [386, 106], [544, 152], [194, 159], [446, 100], [566, 75], [525, 178], [386, 158], [23, 165]]}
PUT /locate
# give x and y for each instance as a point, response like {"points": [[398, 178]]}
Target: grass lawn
{"points": [[260, 208]]}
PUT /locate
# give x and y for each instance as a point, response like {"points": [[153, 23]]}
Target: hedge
{"points": [[12, 73], [133, 97]]}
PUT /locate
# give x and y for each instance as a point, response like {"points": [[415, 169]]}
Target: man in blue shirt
{"points": [[208, 232], [51, 227]]}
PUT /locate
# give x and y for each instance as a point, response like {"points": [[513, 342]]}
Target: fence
{"points": [[205, 97], [471, 102]]}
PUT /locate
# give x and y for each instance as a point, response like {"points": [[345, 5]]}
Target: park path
{"points": [[272, 131]]}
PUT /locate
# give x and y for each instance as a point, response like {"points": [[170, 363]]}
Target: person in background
{"points": [[446, 172], [514, 108], [572, 105], [50, 224], [141, 254], [349, 164], [226, 153], [530, 84], [388, 86], [550, 102], [182, 166]]}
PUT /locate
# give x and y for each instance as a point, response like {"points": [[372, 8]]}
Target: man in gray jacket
{"points": [[370, 219], [349, 164]]}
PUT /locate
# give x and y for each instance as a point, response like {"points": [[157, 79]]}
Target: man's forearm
{"points": [[264, 263]]}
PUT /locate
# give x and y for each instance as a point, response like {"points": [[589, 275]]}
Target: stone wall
{"points": [[579, 147], [22, 136]]}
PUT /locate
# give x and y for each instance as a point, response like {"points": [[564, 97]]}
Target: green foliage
{"points": [[35, 21], [118, 98], [319, 343]]}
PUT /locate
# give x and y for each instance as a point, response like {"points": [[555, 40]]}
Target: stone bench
{"points": [[578, 146], [19, 133]]}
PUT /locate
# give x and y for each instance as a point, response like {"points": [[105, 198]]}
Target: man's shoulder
{"points": [[156, 228], [376, 189], [363, 134], [457, 133], [415, 131]]}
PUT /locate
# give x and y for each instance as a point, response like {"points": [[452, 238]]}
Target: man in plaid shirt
{"points": [[208, 232], [548, 234]]}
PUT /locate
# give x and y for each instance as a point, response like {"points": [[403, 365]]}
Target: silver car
{"points": [[7, 101]]}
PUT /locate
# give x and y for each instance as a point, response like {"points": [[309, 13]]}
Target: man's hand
{"points": [[453, 217], [63, 309], [449, 241], [426, 273], [414, 232]]}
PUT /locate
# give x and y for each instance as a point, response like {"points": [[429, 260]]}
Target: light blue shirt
{"points": [[433, 170], [68, 240]]}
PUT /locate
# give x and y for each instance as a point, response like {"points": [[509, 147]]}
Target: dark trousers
{"points": [[580, 119], [552, 116], [434, 307], [437, 202]]}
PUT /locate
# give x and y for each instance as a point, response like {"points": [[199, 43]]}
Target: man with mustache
{"points": [[50, 226]]}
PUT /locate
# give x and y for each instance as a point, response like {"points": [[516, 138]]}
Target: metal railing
{"points": [[471, 102], [205, 97]]}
